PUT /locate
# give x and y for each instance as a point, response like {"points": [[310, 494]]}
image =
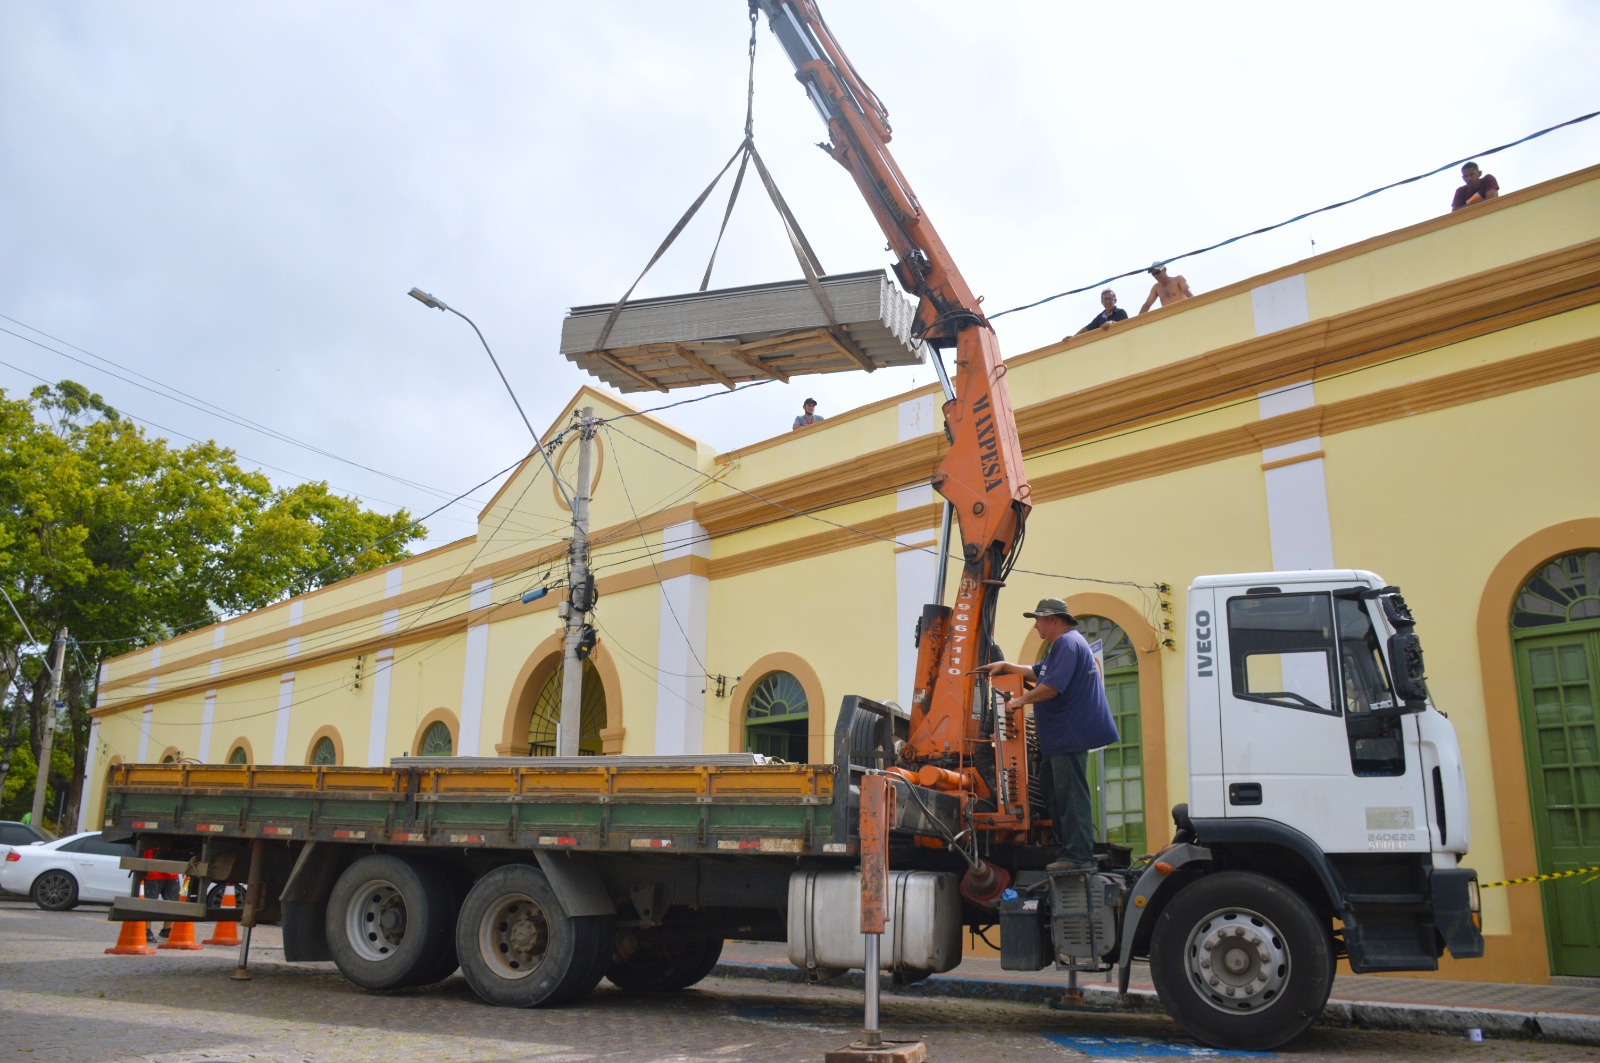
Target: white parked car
{"points": [[64, 873]]}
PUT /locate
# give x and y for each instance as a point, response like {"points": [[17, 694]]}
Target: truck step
{"points": [[133, 909]]}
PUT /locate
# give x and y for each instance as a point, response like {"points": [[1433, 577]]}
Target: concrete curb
{"points": [[1496, 1024]]}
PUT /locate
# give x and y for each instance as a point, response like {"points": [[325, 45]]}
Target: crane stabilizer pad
{"points": [[886, 1052], [739, 335]]}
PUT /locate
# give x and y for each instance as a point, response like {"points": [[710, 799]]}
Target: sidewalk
{"points": [[1564, 1013]]}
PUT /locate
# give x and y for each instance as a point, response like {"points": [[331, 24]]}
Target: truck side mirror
{"points": [[1406, 671]]}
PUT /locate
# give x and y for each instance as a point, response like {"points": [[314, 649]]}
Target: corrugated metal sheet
{"points": [[736, 335]]}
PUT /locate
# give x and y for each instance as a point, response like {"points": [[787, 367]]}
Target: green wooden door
{"points": [[1123, 787], [1558, 679]]}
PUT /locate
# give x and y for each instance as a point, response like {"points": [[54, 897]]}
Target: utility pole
{"points": [[580, 598], [49, 739]]}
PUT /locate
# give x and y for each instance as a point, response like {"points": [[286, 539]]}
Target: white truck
{"points": [[1327, 816]]}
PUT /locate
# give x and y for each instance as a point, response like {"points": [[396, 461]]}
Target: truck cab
{"points": [[1312, 734]]}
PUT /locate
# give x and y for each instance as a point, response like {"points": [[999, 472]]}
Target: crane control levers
{"points": [[960, 738]]}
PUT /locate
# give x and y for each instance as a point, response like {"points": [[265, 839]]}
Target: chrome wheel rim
{"points": [[375, 921], [514, 936], [1237, 960]]}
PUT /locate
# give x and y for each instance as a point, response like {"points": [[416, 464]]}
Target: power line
{"points": [[687, 642], [1300, 217], [179, 628], [183, 398]]}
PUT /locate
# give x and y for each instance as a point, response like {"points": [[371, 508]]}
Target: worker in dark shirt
{"points": [[1110, 312], [1478, 187]]}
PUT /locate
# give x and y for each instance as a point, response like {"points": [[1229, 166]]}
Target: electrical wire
{"points": [[183, 398], [188, 625], [671, 609], [1299, 217], [685, 402]]}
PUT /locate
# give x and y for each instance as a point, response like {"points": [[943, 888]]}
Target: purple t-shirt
{"points": [[1077, 718]]}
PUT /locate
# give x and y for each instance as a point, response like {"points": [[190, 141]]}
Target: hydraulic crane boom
{"points": [[981, 475]]}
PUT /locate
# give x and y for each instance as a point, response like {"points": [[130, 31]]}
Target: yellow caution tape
{"points": [[1537, 878]]}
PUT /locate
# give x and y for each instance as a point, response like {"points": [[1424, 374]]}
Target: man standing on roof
{"points": [[809, 418], [1168, 289], [1072, 717], [1109, 312], [1478, 187]]}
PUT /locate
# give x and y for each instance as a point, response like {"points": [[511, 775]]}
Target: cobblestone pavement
{"points": [[63, 999]]}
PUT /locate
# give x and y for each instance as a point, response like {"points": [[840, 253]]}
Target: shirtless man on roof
{"points": [[1168, 289]]}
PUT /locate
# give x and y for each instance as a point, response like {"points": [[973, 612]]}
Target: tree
{"points": [[125, 540]]}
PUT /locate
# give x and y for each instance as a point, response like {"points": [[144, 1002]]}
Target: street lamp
{"points": [[435, 303]]}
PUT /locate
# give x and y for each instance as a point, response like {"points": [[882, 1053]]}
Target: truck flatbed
{"points": [[620, 805]]}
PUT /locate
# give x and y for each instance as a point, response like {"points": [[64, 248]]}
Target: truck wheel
{"points": [[389, 922], [55, 891], [1240, 961], [665, 967], [520, 949]]}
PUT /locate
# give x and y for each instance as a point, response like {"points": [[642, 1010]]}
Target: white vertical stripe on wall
{"points": [[918, 417], [681, 645], [90, 761], [392, 580], [680, 680], [1297, 495], [378, 734], [203, 752], [297, 608], [913, 588], [217, 636], [144, 734], [280, 734], [474, 674], [1280, 305]]}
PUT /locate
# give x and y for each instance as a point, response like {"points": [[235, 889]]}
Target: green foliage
{"points": [[123, 540]]}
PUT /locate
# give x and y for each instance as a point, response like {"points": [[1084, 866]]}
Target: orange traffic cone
{"points": [[131, 941], [227, 931], [182, 937]]}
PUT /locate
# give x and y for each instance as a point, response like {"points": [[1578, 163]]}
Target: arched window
{"points": [[436, 741], [239, 756], [547, 710], [323, 753], [1564, 591], [775, 718]]}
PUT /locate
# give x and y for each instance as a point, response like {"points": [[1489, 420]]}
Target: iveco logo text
{"points": [[1202, 643]]}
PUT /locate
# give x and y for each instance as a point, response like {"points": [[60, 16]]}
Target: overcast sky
{"points": [[233, 199]]}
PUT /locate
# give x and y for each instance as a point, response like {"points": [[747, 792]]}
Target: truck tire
{"points": [[665, 967], [390, 923], [520, 949], [1241, 961]]}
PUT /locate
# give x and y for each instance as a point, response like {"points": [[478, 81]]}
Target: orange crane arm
{"points": [[981, 475]]}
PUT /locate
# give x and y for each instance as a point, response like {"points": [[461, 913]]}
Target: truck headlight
{"points": [[1472, 895]]}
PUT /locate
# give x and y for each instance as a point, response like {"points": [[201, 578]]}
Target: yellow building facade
{"points": [[1421, 404]]}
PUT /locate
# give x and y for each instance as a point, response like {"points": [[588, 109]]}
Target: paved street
{"points": [[62, 999]]}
